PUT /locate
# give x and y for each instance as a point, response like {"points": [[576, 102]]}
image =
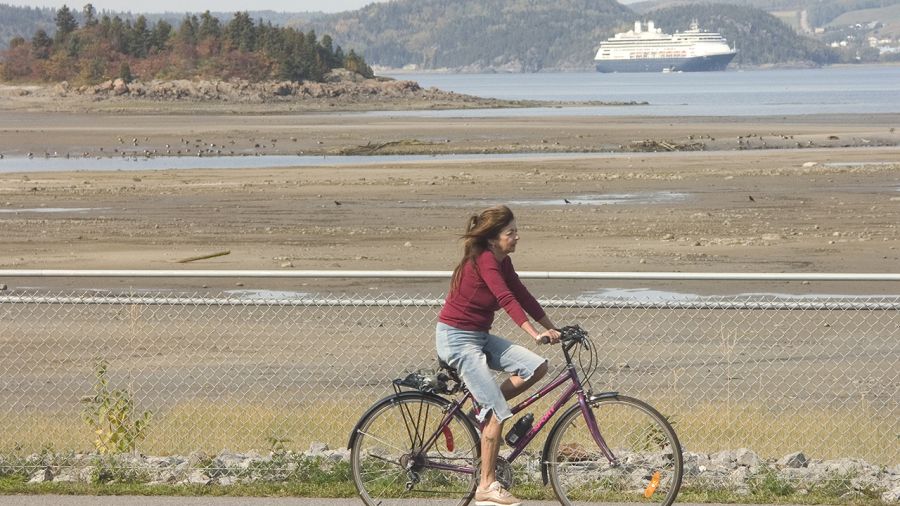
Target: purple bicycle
{"points": [[419, 444]]}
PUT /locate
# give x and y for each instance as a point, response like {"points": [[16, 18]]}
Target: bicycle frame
{"points": [[575, 388]]}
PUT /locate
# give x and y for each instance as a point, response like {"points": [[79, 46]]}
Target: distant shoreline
{"points": [[242, 97], [390, 71]]}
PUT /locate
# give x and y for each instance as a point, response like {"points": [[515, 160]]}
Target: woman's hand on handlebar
{"points": [[550, 336]]}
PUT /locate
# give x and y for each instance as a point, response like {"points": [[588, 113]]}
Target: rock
{"points": [[227, 480], [227, 459], [747, 458], [692, 465], [195, 458], [317, 448], [844, 466], [86, 474], [795, 474], [793, 460], [668, 237], [807, 165], [724, 459], [119, 87], [892, 495], [772, 237], [339, 455], [198, 477], [407, 244], [137, 89], [41, 476], [2, 287], [739, 476], [67, 475]]}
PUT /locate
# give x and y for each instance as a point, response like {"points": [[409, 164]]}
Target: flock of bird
{"points": [[185, 147]]}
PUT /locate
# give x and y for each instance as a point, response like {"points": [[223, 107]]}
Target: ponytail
{"points": [[480, 228]]}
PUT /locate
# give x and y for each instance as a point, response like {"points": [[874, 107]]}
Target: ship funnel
{"points": [[650, 26], [637, 27]]}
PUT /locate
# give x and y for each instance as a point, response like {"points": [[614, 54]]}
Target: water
{"points": [[830, 90]]}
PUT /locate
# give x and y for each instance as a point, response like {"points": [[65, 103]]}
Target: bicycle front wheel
{"points": [[648, 463], [399, 451]]}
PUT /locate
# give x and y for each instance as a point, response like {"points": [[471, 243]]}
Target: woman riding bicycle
{"points": [[483, 282]]}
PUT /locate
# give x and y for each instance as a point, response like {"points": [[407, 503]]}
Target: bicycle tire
{"points": [[386, 449], [650, 463]]}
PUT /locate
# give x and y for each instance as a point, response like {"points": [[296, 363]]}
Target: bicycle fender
{"points": [[545, 453], [388, 400]]}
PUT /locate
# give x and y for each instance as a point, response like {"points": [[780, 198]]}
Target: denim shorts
{"points": [[474, 354]]}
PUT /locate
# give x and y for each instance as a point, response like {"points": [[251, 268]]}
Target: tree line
{"points": [[104, 47]]}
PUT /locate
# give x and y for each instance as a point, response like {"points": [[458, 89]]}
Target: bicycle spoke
{"points": [[382, 441], [385, 472], [648, 463]]}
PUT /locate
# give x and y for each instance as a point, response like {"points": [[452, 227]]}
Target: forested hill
{"points": [[819, 12], [104, 47], [480, 35], [515, 35], [525, 35], [759, 37]]}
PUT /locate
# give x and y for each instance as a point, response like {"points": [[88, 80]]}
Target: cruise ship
{"points": [[651, 50]]}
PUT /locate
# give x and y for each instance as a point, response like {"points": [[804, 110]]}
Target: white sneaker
{"points": [[495, 495]]}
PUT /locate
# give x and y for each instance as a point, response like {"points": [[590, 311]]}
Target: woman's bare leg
{"points": [[490, 448], [514, 385]]}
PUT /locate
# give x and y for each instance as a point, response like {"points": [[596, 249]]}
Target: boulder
{"points": [[198, 477], [793, 460], [892, 495], [746, 458], [119, 87]]}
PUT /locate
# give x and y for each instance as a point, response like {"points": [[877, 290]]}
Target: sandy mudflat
{"points": [[831, 205]]}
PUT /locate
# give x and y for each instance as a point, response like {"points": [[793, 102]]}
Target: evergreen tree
{"points": [[41, 45], [125, 72], [160, 35], [241, 32], [209, 26], [139, 38], [89, 14], [355, 63], [200, 47], [65, 23]]}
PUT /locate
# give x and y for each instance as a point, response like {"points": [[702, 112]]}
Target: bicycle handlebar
{"points": [[569, 333]]}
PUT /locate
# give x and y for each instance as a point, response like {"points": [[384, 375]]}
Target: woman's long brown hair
{"points": [[480, 228]]}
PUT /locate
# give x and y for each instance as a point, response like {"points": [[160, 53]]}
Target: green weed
{"points": [[110, 414]]}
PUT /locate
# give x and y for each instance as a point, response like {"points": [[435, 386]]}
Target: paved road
{"points": [[60, 500]]}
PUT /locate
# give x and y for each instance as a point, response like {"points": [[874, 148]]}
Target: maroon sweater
{"points": [[484, 290]]}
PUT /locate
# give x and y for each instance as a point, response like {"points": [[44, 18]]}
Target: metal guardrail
{"points": [[395, 274], [813, 373]]}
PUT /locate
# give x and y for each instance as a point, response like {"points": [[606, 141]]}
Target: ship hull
{"points": [[695, 64]]}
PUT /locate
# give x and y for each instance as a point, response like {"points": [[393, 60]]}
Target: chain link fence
{"points": [[247, 370]]}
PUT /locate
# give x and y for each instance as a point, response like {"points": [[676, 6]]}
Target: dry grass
{"points": [[212, 427]]}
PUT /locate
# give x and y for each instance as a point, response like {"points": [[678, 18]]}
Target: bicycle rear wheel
{"points": [[648, 456], [390, 463]]}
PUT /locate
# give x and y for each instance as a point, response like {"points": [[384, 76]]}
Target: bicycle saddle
{"points": [[451, 371]]}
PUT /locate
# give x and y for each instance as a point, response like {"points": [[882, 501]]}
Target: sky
{"points": [[201, 5]]}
